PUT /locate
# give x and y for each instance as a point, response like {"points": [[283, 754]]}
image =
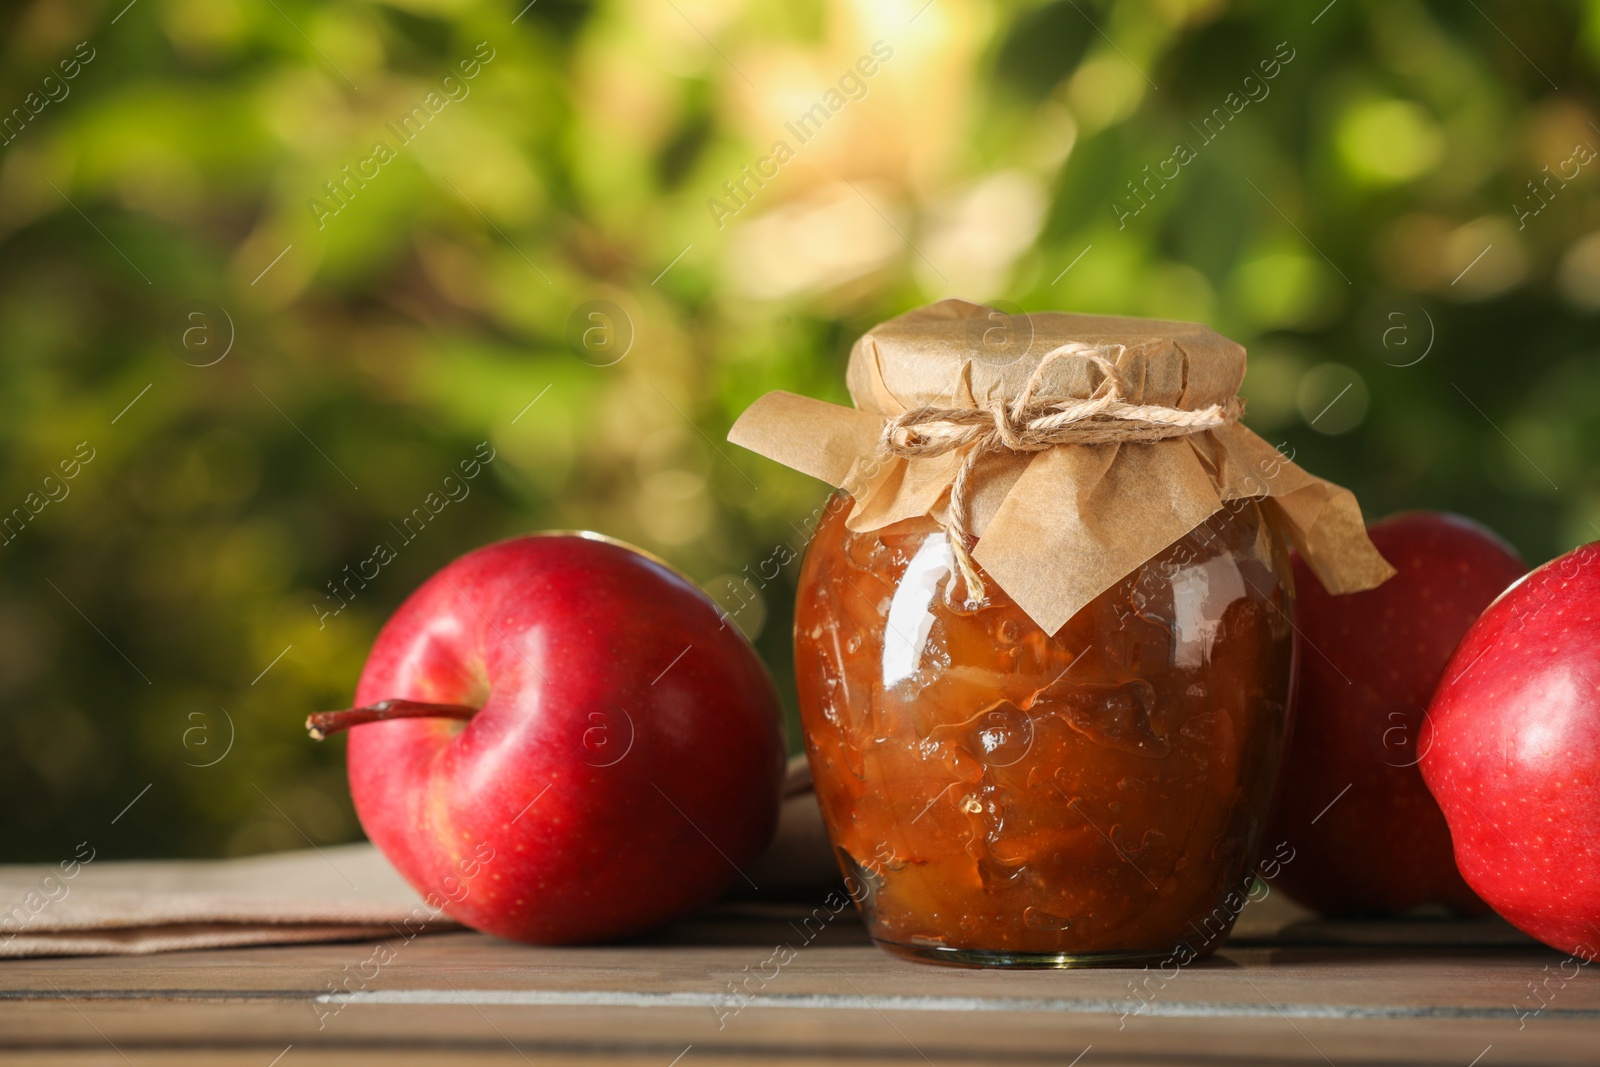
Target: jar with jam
{"points": [[1005, 795], [1043, 635]]}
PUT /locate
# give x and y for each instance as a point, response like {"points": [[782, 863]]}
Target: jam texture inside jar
{"points": [[1008, 796]]}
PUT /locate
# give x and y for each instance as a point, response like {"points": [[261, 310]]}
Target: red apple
{"points": [[564, 742], [1367, 835], [1513, 753]]}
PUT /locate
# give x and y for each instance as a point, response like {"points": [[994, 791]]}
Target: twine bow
{"points": [[1030, 424]]}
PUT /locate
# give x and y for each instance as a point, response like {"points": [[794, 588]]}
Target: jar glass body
{"points": [[998, 795]]}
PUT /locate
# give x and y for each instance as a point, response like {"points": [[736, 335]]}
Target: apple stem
{"points": [[322, 723]]}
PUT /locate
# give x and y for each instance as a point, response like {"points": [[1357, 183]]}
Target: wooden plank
{"points": [[259, 1031], [468, 998]]}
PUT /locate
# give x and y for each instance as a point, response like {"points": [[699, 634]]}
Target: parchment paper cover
{"points": [[1057, 528]]}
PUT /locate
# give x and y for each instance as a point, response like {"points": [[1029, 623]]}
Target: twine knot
{"points": [[1033, 424]]}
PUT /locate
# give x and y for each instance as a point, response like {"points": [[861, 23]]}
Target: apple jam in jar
{"points": [[1043, 636], [1007, 796]]}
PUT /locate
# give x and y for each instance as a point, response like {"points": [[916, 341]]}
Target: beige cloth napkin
{"points": [[109, 907], [340, 893]]}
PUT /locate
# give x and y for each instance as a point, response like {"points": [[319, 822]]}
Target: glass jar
{"points": [[997, 795]]}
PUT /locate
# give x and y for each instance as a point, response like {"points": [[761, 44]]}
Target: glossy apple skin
{"points": [[624, 767], [1368, 665], [1513, 753]]}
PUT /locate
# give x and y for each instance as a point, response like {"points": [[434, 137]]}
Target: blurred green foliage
{"points": [[1362, 219]]}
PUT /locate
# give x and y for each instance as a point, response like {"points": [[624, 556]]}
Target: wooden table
{"points": [[1444, 993]]}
